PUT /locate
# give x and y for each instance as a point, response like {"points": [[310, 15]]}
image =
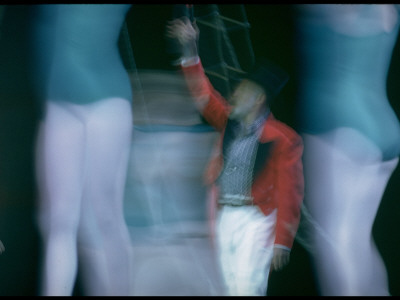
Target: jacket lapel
{"points": [[267, 142]]}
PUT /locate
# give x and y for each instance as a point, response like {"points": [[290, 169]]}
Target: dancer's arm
{"points": [[2, 248]]}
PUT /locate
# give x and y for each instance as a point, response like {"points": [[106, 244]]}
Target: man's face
{"points": [[245, 100]]}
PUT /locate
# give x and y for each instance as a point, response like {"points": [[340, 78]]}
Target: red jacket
{"points": [[279, 182]]}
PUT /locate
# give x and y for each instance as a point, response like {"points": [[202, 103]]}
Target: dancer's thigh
{"points": [[59, 163], [109, 131]]}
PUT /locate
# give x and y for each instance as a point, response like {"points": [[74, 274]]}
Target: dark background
{"points": [[271, 35]]}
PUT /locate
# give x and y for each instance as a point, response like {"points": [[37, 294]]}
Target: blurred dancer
{"points": [[257, 170], [351, 138], [83, 147]]}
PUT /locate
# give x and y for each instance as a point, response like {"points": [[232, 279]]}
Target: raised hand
{"points": [[186, 34]]}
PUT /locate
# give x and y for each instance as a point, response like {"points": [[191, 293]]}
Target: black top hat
{"points": [[269, 76]]}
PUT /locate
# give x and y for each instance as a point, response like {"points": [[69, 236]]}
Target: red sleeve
{"points": [[217, 109], [291, 192]]}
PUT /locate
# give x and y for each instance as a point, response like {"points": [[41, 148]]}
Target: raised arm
{"points": [[214, 108]]}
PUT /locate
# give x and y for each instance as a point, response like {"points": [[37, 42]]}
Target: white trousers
{"points": [[245, 240]]}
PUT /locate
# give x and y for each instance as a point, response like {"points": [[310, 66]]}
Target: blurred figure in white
{"points": [[165, 205], [351, 138], [164, 200], [83, 148]]}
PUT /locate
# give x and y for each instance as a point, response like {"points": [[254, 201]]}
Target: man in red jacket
{"points": [[257, 172]]}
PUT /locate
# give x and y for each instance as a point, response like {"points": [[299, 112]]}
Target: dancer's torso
{"points": [[343, 76], [77, 52]]}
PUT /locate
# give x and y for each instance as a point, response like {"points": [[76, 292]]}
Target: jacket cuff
{"points": [[282, 247]]}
